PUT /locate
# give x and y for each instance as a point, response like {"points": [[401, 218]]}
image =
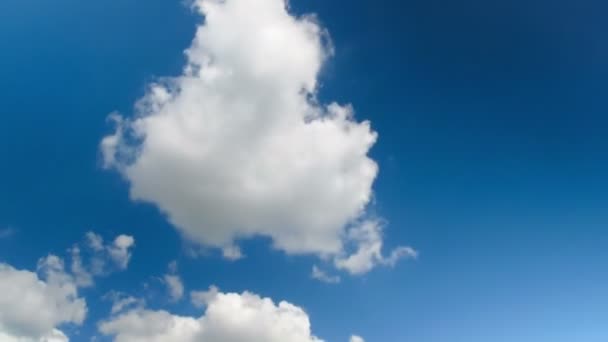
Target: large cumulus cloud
{"points": [[238, 145]]}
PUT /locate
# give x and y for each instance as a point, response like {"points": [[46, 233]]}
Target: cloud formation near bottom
{"points": [[32, 307], [35, 305], [229, 317]]}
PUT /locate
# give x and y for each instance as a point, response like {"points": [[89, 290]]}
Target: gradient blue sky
{"points": [[492, 148]]}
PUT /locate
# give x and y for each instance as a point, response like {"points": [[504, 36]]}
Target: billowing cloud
{"points": [[33, 305], [238, 146], [229, 317]]}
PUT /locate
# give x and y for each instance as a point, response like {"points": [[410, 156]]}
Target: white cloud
{"points": [[82, 276], [100, 257], [232, 252], [54, 336], [123, 303], [151, 326], [33, 306], [175, 286], [200, 299], [229, 317], [94, 241], [174, 283], [238, 146], [119, 250], [400, 253], [356, 338], [321, 275], [368, 239]]}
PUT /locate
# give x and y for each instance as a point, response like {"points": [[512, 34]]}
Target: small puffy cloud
{"points": [[100, 257], [229, 317], [34, 304], [238, 145], [356, 338], [175, 286], [367, 237], [321, 275], [232, 252], [119, 250], [55, 336]]}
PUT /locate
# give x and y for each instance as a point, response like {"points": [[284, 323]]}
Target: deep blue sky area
{"points": [[493, 153]]}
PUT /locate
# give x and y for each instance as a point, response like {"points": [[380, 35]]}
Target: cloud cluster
{"points": [[33, 305], [238, 146], [229, 317], [104, 258]]}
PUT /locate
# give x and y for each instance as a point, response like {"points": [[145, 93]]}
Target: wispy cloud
{"points": [[7, 232], [320, 275]]}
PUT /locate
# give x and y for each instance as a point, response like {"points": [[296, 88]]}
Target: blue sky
{"points": [[491, 151]]}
